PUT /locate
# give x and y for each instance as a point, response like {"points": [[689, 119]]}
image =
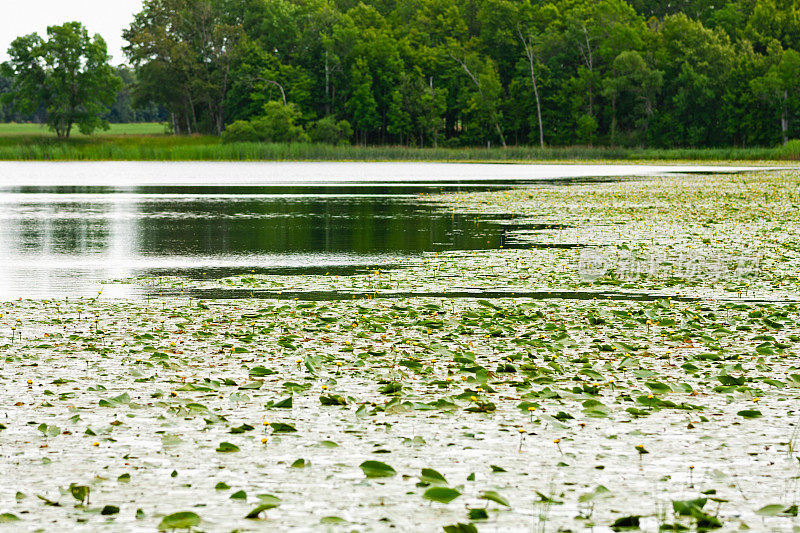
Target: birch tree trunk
{"points": [[529, 52]]}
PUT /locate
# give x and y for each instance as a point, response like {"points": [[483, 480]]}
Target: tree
{"points": [[416, 110], [69, 74], [183, 51], [529, 30], [637, 83], [697, 63], [328, 131], [361, 104], [780, 85], [485, 101]]}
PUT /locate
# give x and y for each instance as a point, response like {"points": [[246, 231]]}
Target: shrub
{"points": [[240, 131], [327, 131], [277, 124]]}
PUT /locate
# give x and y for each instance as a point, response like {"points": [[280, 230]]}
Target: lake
{"points": [[67, 227]]}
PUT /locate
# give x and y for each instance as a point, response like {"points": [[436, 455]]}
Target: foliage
{"points": [[690, 73], [68, 74], [328, 131], [27, 142], [693, 73], [277, 123], [183, 51]]}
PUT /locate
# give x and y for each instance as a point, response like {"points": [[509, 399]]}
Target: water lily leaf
{"points": [[79, 492], [256, 513], [441, 494], [460, 528], [626, 523], [170, 440], [731, 380], [494, 497], [705, 521], [122, 399], [376, 469], [477, 514], [599, 492], [260, 371], [311, 363], [242, 429], [8, 517], [658, 387], [239, 397], [332, 399], [391, 388], [182, 520], [332, 520], [286, 403], [770, 510], [750, 413], [433, 477], [684, 507], [280, 427], [109, 510], [227, 447]]}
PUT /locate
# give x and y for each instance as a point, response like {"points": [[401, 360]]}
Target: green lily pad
{"points": [[376, 469]]}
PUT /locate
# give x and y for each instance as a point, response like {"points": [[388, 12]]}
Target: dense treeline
{"points": [[473, 72]]}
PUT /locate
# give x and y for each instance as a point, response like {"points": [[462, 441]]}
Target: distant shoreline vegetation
{"points": [[426, 73], [143, 142]]}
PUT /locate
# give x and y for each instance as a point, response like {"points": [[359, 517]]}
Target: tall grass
{"points": [[199, 148]]}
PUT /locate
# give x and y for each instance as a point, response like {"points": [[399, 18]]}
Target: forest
{"points": [[449, 73]]}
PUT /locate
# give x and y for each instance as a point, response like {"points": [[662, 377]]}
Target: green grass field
{"points": [[39, 130], [149, 142]]}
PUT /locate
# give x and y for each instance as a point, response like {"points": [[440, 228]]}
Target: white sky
{"points": [[106, 17]]}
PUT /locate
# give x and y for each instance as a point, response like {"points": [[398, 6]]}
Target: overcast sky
{"points": [[106, 17]]}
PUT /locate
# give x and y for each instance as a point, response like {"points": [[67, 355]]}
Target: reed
{"points": [[134, 147]]}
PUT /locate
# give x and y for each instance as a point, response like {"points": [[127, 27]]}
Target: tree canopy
{"points": [[467, 72], [68, 75]]}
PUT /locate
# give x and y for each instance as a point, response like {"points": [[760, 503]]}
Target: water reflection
{"points": [[63, 241]]}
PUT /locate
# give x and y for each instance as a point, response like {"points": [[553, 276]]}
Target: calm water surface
{"points": [[66, 227]]}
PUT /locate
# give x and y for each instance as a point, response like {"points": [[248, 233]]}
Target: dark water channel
{"points": [[132, 219], [64, 241]]}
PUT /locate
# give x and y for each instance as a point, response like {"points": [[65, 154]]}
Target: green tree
{"points": [[697, 63], [361, 105], [468, 72], [69, 74], [531, 25], [328, 131], [636, 86], [277, 124], [183, 51], [483, 102], [780, 86]]}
